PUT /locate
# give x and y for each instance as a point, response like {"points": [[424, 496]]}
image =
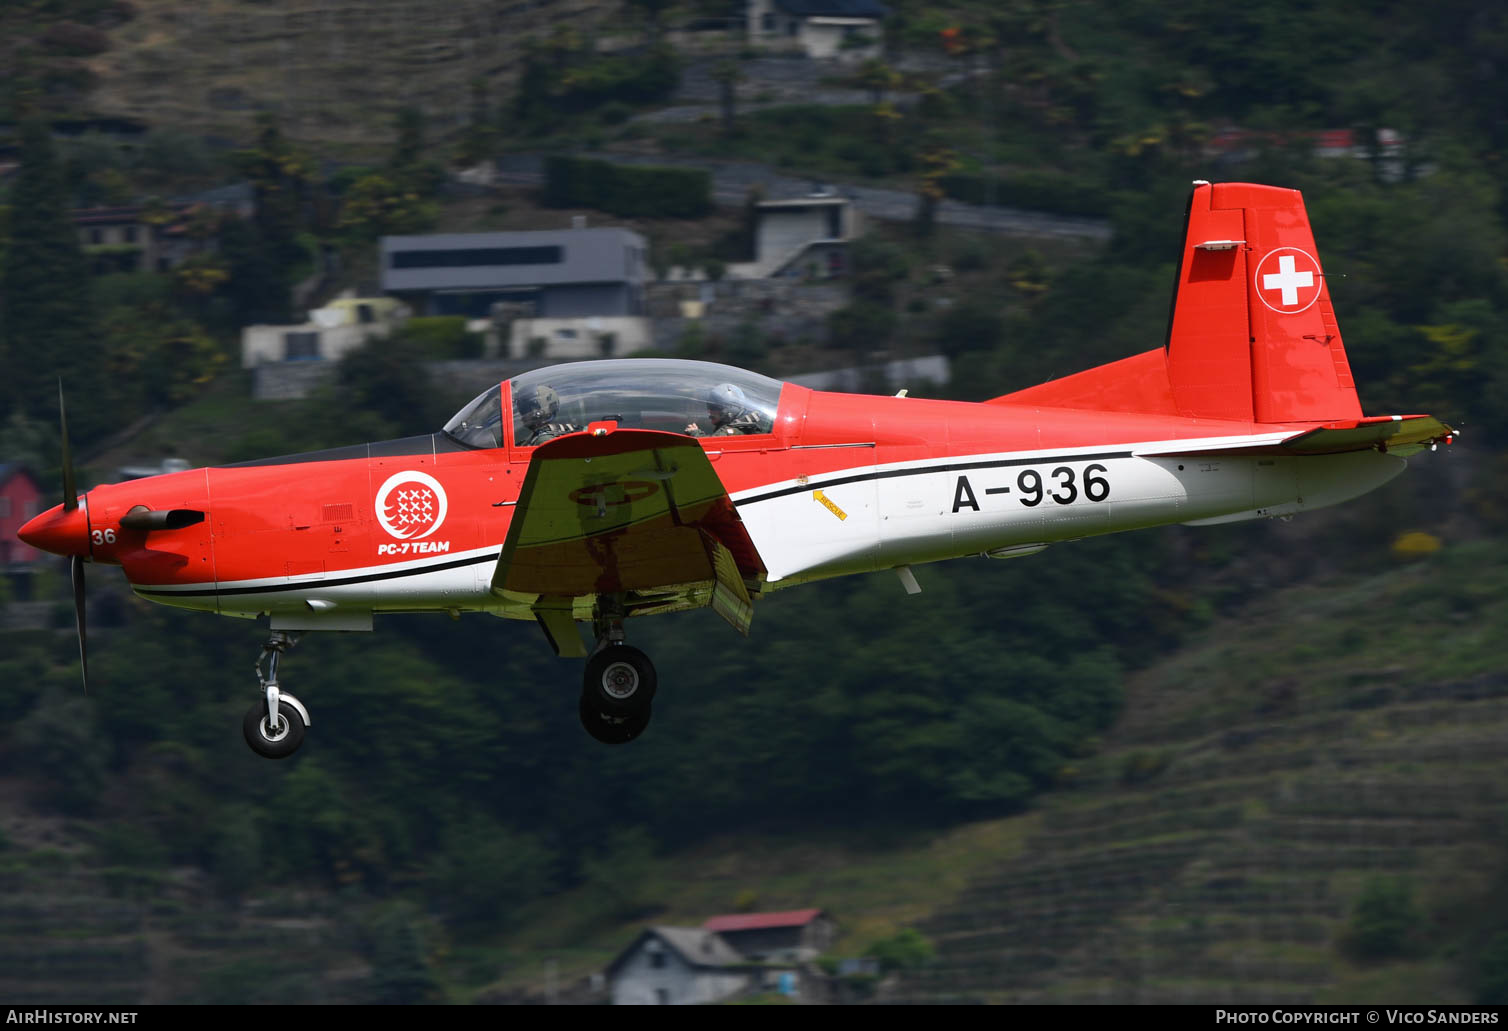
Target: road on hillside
{"points": [[732, 180]]}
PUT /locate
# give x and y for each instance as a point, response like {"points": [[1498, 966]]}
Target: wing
{"points": [[635, 514], [1397, 434]]}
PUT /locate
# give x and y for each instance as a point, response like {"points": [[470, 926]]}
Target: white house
{"points": [[848, 30], [801, 236], [726, 956], [677, 966], [344, 325]]}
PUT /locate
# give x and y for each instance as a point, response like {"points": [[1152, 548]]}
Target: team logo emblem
{"points": [[411, 505], [1288, 280]]}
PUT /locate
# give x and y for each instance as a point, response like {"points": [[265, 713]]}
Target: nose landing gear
{"points": [[274, 726]]}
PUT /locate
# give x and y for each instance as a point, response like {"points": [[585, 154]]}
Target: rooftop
{"points": [[761, 921]]}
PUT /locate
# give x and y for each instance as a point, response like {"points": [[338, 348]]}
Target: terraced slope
{"points": [[75, 933], [1217, 847], [334, 70]]}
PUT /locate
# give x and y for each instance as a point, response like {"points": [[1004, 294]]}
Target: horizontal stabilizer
{"points": [[1395, 434], [1401, 435]]}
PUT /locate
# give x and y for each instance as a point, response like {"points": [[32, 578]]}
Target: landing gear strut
{"points": [[274, 726], [617, 687]]}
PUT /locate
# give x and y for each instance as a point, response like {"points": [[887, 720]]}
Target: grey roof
{"points": [[235, 195], [697, 947], [607, 255], [833, 8]]}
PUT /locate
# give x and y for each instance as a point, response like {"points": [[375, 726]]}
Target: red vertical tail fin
{"points": [[1252, 334]]}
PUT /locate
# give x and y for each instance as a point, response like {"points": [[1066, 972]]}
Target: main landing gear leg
{"points": [[618, 685], [274, 726]]}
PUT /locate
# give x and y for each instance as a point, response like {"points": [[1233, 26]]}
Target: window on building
{"points": [[792, 27], [476, 256], [96, 236], [130, 233], [767, 21], [657, 960], [365, 314], [5, 509], [301, 346]]}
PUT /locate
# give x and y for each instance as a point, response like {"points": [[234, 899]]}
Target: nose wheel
{"points": [[274, 726], [617, 688]]}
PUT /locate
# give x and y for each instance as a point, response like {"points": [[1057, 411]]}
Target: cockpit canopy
{"points": [[639, 393]]}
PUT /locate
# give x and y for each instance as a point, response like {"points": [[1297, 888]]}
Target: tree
{"points": [[653, 11], [727, 75], [257, 288], [486, 873], [387, 379], [44, 324], [280, 177], [1385, 920], [481, 133], [1492, 971], [379, 205], [878, 78], [401, 970], [939, 161], [408, 167], [905, 950]]}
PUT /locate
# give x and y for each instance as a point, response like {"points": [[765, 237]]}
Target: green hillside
{"points": [[1308, 753]]}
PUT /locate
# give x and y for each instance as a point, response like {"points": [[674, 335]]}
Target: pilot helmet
{"points": [[538, 406], [726, 402]]}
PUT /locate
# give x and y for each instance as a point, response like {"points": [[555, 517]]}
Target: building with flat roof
{"points": [[563, 274], [848, 30]]}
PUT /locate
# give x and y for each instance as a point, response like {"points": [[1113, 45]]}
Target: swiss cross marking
{"points": [[1288, 280]]}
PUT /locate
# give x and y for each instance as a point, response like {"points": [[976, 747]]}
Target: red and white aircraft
{"points": [[1247, 410]]}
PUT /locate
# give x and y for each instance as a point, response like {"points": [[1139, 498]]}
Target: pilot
{"points": [[536, 408], [730, 414]]}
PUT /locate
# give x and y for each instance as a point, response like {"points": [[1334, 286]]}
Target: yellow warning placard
{"points": [[828, 504]]}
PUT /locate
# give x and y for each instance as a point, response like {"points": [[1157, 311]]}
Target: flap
{"points": [[618, 511]]}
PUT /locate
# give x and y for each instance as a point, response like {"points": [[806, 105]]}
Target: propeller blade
{"points": [[70, 489], [76, 568]]}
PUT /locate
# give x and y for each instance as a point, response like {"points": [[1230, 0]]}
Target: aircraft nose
{"points": [[58, 531]]}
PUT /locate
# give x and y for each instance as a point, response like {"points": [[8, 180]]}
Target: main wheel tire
{"points": [[613, 730], [273, 742], [619, 680]]}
